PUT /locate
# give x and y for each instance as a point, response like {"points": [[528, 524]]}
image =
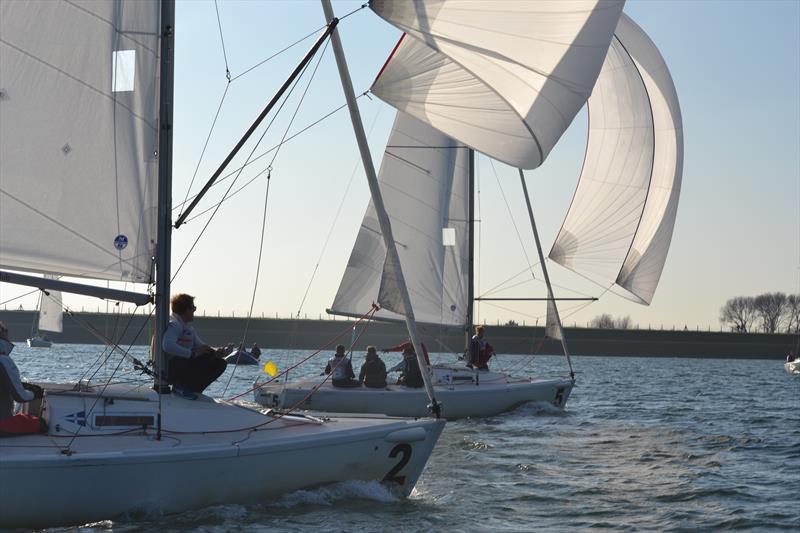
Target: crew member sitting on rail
{"points": [[12, 388], [410, 375], [193, 365], [341, 370], [373, 371]]}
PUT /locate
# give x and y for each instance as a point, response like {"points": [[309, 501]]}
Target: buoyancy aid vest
{"points": [[338, 367]]}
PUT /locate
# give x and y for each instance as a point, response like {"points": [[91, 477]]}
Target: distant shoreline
{"points": [[304, 334]]}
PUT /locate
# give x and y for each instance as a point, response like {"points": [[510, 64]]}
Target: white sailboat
{"points": [[509, 91], [50, 318], [427, 182], [85, 156], [620, 221]]}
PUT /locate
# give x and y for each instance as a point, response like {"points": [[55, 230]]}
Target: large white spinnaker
{"points": [[424, 179], [504, 77], [79, 103], [619, 226]]}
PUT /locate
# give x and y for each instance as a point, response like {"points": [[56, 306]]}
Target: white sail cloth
{"points": [[619, 226], [79, 101], [504, 77], [51, 315], [424, 179]]}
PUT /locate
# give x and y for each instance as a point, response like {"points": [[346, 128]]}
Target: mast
{"points": [[471, 248], [550, 297], [377, 199], [164, 235]]}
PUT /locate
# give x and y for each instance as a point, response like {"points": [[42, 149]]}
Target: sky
{"points": [[736, 68]]}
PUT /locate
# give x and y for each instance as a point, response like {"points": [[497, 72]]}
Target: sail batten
{"points": [[79, 102], [619, 225], [506, 81]]}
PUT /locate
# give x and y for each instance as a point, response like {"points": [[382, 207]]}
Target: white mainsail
{"points": [[505, 78], [79, 130], [619, 226], [424, 179]]}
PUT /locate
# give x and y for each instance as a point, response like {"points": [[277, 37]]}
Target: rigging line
{"points": [[279, 52], [516, 229], [108, 382], [500, 285], [264, 217], [336, 217], [569, 312], [492, 304], [107, 357], [115, 346], [20, 296], [523, 282], [203, 152], [239, 173], [253, 160], [258, 385], [256, 158], [222, 40], [103, 354]]}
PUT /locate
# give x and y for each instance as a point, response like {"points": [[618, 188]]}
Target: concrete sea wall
{"points": [[313, 334]]}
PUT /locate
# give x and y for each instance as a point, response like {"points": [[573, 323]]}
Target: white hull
{"points": [[38, 342], [111, 475], [792, 367], [460, 398]]}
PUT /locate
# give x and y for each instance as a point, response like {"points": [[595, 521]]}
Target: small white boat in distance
{"points": [[39, 342], [463, 392], [792, 367]]}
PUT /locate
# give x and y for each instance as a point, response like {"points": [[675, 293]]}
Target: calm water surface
{"points": [[644, 445]]}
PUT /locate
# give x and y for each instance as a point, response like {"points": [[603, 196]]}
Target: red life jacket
{"points": [[20, 424]]}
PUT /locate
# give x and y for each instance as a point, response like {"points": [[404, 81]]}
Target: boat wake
{"points": [[345, 490]]}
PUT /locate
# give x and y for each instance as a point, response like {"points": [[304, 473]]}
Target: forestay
{"points": [[79, 107], [619, 226], [504, 77], [424, 178]]}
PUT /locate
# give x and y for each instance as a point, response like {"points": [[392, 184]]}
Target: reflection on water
{"points": [[645, 444]]}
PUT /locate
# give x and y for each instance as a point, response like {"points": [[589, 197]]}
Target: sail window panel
{"points": [[448, 236], [123, 70], [77, 170], [537, 63], [422, 177]]}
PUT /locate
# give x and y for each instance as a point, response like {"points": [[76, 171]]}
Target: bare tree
{"points": [[604, 321], [770, 310], [739, 313], [623, 323], [792, 313]]}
